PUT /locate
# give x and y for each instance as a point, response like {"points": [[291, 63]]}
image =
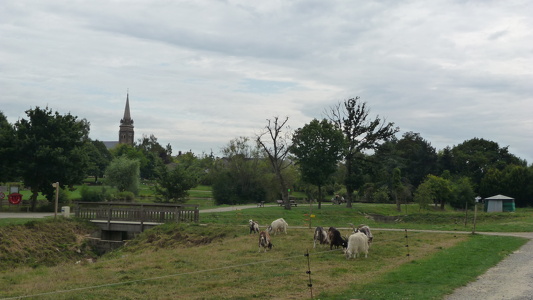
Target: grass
{"points": [[438, 275], [222, 262]]}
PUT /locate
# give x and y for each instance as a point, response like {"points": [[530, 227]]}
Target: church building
{"points": [[125, 133]]}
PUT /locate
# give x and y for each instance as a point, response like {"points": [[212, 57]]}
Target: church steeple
{"points": [[125, 135]]}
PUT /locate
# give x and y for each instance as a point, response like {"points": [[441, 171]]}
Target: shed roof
{"points": [[499, 197]]}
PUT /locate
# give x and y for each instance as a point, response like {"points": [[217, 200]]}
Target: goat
{"points": [[357, 244], [321, 236], [335, 238], [254, 226], [264, 241], [278, 225], [364, 229]]}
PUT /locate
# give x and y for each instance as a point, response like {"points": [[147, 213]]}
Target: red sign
{"points": [[15, 198], [2, 195]]}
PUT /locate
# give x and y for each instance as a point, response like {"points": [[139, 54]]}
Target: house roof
{"points": [[499, 197]]}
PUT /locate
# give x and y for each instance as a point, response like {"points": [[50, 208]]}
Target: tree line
{"points": [[348, 153]]}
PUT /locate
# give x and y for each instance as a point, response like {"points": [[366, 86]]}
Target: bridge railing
{"points": [[137, 212]]}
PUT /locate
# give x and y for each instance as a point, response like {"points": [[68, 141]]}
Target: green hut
{"points": [[499, 203]]}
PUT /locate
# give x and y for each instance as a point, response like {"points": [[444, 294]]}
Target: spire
{"points": [[126, 120], [126, 133]]}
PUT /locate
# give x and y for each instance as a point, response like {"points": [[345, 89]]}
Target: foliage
{"points": [[476, 156], [463, 193], [514, 181], [7, 151], [318, 147], [50, 148], [435, 189], [123, 173], [99, 158], [173, 182], [239, 177], [360, 134], [93, 195]]}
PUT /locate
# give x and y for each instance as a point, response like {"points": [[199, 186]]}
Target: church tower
{"points": [[125, 134]]}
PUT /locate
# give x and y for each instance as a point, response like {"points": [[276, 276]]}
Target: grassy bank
{"points": [[222, 262]]}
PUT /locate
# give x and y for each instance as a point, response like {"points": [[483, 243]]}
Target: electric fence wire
{"points": [[177, 274]]}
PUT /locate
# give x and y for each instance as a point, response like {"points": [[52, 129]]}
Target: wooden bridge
{"points": [[119, 221]]}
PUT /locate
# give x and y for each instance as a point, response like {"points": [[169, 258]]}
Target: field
{"points": [[218, 259]]}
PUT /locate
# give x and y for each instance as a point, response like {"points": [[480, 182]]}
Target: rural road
{"points": [[511, 279]]}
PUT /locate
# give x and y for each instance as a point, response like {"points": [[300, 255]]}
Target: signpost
{"points": [[56, 185]]}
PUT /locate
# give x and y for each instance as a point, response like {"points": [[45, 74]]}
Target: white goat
{"points": [[278, 225], [321, 236], [357, 244], [254, 226], [264, 241]]}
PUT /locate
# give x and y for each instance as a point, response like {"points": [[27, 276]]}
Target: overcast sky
{"points": [[200, 73]]}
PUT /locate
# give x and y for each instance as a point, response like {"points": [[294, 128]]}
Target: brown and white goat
{"points": [[321, 236], [254, 226], [335, 239], [264, 241]]}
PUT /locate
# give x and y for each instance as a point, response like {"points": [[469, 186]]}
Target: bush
{"points": [[125, 196], [93, 195]]}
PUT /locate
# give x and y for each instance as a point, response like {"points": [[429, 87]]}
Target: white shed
{"points": [[499, 203]]}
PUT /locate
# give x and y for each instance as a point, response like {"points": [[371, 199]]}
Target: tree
{"points": [[50, 148], [418, 157], [99, 158], [275, 143], [238, 177], [463, 193], [397, 187], [318, 147], [124, 174], [360, 134], [7, 150], [436, 189], [173, 183], [474, 157]]}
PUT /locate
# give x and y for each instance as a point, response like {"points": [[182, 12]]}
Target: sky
{"points": [[201, 73]]}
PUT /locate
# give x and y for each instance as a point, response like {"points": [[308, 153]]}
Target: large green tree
{"points": [[361, 133], [99, 158], [474, 157], [50, 148], [8, 170], [239, 176], [318, 148], [173, 183], [124, 174]]}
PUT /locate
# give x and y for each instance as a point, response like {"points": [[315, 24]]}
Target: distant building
{"points": [[125, 133]]}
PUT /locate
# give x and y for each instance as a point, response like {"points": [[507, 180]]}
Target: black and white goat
{"points": [[364, 229], [335, 239], [264, 241], [321, 236], [254, 226]]}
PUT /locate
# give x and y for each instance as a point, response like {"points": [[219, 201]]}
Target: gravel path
{"points": [[511, 279]]}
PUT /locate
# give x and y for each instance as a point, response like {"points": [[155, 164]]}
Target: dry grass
{"points": [[228, 268]]}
